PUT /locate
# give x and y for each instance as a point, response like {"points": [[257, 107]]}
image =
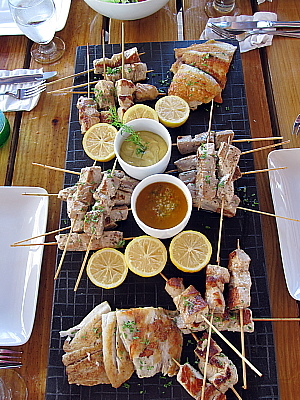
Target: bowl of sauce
{"points": [[144, 148], [161, 205]]}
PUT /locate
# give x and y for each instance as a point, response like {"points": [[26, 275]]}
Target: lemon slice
{"points": [[98, 142], [190, 251], [107, 268], [172, 111], [139, 111], [146, 256]]}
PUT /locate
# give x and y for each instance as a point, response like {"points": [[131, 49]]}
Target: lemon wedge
{"points": [[190, 251], [172, 111], [146, 256], [139, 111], [98, 142], [107, 268]]}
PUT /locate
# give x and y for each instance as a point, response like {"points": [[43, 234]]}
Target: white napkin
{"points": [[9, 103], [262, 1], [252, 42]]}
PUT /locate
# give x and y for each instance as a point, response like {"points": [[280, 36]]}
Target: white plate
{"points": [[21, 217], [285, 188], [8, 26]]}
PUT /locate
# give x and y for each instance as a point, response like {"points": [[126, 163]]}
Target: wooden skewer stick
{"points": [[265, 147], [65, 250], [277, 319], [83, 263], [257, 139], [207, 357], [87, 64], [122, 45], [243, 348], [163, 276], [56, 168], [266, 213], [34, 244], [39, 194], [210, 119], [232, 346], [220, 232], [262, 170], [103, 54], [176, 362], [43, 234], [69, 76], [72, 87]]}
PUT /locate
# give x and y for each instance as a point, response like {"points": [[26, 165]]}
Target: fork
{"points": [[296, 126], [10, 359], [242, 36], [26, 93]]}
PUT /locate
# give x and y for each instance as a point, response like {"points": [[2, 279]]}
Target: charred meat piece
{"points": [[221, 372], [216, 277], [194, 86], [117, 363], [125, 89], [240, 280], [80, 241], [144, 92], [191, 305], [228, 158], [188, 176], [174, 286], [105, 94], [192, 381], [188, 144], [151, 339], [130, 56], [206, 180], [186, 163], [88, 113]]}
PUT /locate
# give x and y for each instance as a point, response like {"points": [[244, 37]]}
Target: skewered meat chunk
{"points": [[63, 194], [94, 222], [188, 144], [174, 286], [228, 158], [88, 113], [122, 198], [127, 184], [191, 305], [144, 92], [206, 180], [83, 358], [125, 89], [220, 371], [80, 241], [117, 363], [240, 280], [105, 94], [188, 176], [133, 72], [186, 163], [194, 86], [106, 117], [216, 277], [192, 381], [130, 56]]}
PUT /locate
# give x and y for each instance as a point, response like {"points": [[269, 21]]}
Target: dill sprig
{"points": [[133, 137]]}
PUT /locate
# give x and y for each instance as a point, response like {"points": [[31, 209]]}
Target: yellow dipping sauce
{"points": [[156, 148], [161, 205]]}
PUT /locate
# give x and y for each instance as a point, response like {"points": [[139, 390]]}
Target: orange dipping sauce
{"points": [[161, 205]]}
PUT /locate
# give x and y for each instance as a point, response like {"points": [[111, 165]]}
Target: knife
{"points": [[245, 25], [26, 78]]}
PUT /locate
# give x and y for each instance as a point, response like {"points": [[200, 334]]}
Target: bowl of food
{"points": [[161, 205], [143, 147], [126, 9]]}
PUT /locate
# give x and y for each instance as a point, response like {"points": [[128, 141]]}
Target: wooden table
{"points": [[271, 78]]}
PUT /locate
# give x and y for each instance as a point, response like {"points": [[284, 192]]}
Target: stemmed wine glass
{"points": [[218, 8], [37, 19]]}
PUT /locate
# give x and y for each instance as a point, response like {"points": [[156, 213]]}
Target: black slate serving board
{"points": [[70, 307]]}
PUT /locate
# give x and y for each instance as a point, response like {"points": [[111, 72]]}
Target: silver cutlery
{"points": [[242, 36], [10, 359], [296, 126], [25, 93], [245, 25], [26, 78]]}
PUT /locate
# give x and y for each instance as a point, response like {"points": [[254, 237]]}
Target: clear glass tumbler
{"points": [[217, 8]]}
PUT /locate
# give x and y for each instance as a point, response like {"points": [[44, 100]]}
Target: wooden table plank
{"points": [[13, 52], [162, 25], [286, 334], [43, 139]]}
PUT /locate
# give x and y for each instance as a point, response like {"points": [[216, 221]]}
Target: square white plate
{"points": [[21, 217], [285, 189], [8, 26]]}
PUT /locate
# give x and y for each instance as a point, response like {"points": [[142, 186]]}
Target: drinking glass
{"points": [[37, 19], [12, 386], [217, 8]]}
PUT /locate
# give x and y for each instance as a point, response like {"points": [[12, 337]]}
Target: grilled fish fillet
{"points": [[117, 363]]}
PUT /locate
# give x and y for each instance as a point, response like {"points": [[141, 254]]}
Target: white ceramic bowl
{"points": [[126, 12], [144, 124], [161, 233]]}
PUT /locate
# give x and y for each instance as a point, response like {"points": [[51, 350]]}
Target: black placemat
{"points": [[70, 307]]}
